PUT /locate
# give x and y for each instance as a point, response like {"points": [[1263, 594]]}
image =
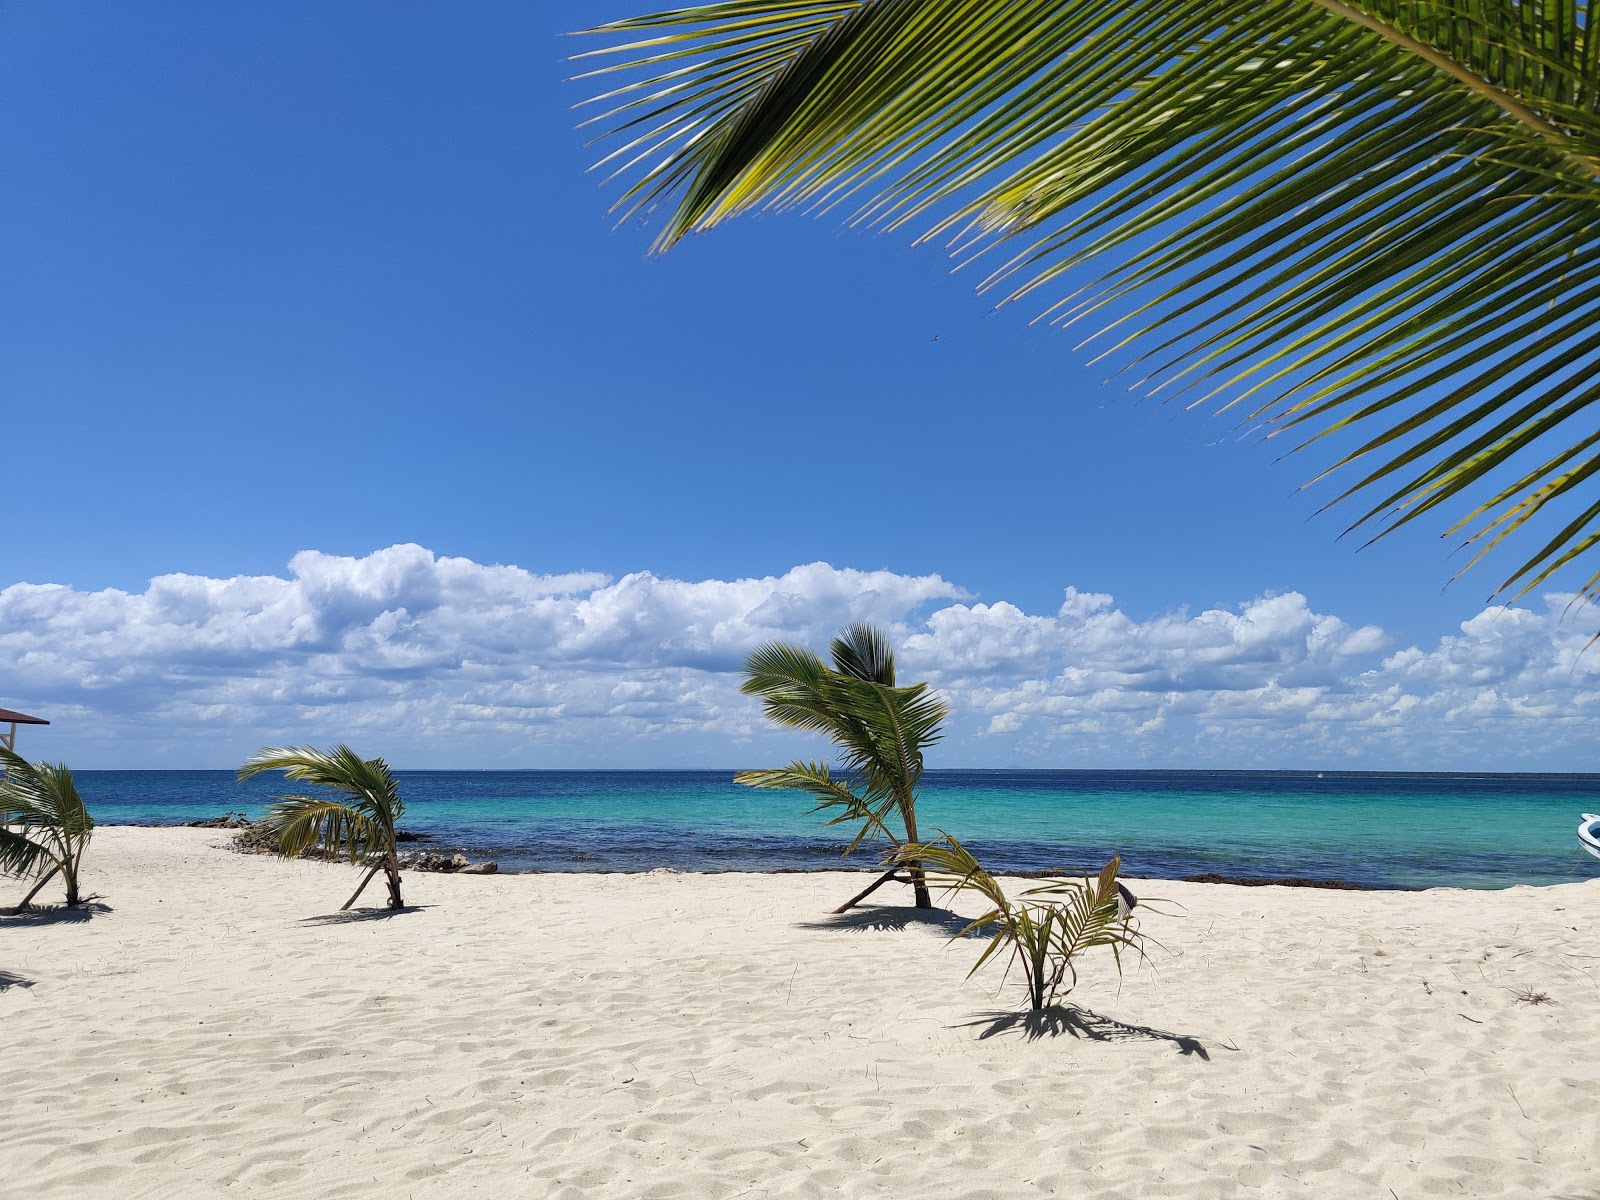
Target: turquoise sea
{"points": [[1382, 830]]}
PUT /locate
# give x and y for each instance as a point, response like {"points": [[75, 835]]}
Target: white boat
{"points": [[1589, 833]]}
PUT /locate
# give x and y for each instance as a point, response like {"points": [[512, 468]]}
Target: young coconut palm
{"points": [[42, 823], [1045, 936], [880, 730], [1370, 219], [358, 824]]}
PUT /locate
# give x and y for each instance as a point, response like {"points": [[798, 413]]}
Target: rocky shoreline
{"points": [[252, 838], [257, 838]]}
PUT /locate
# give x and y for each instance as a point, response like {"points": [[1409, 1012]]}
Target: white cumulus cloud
{"points": [[439, 660]]}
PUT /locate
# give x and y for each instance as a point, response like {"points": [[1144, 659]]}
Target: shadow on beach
{"points": [[54, 914], [891, 918], [363, 914], [1072, 1021]]}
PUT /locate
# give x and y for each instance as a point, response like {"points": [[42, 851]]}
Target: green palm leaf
{"points": [[829, 791], [1373, 222], [19, 855], [1045, 936], [863, 652], [302, 823]]}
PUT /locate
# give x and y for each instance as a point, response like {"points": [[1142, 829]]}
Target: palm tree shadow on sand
{"points": [[1071, 1021], [885, 918], [54, 914], [359, 915]]}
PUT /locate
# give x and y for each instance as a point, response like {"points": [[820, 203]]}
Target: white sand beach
{"points": [[675, 1035]]}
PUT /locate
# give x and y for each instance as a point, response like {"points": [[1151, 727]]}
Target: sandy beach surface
{"points": [[677, 1035]]}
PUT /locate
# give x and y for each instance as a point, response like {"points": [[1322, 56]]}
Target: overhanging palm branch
{"points": [[357, 823], [1375, 221], [44, 826], [879, 729]]}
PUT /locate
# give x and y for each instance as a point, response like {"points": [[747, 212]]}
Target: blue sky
{"points": [[332, 278]]}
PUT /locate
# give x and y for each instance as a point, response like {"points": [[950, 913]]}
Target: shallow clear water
{"points": [[1407, 830]]}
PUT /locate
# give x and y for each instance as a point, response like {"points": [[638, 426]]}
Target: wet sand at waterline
{"points": [[676, 1035]]}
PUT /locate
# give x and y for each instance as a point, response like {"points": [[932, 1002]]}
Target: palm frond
{"points": [[302, 823], [796, 687], [798, 690], [42, 800], [901, 723], [1093, 915], [863, 652], [19, 855], [829, 791], [949, 865], [366, 784], [1373, 222]]}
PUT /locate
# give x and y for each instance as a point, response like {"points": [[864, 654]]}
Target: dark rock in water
{"points": [[456, 864], [260, 839], [255, 839], [423, 861], [426, 862]]}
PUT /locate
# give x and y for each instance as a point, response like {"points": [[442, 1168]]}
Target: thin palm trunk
{"points": [[67, 867], [914, 873], [70, 863], [38, 887], [919, 881], [392, 866], [891, 875], [365, 879]]}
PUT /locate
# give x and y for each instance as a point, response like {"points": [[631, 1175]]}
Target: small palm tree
{"points": [[358, 824], [42, 822], [879, 728], [1044, 936]]}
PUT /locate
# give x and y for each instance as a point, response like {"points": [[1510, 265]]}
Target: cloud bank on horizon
{"points": [[438, 661]]}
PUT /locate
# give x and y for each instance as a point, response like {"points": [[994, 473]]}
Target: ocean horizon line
{"points": [[1314, 772]]}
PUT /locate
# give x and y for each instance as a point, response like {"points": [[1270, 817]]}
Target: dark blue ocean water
{"points": [[1402, 830]]}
